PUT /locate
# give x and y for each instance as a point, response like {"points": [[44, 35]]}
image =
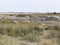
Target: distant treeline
{"points": [[29, 13]]}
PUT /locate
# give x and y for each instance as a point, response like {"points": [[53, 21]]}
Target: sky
{"points": [[29, 5]]}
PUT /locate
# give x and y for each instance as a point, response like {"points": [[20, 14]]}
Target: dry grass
{"points": [[31, 32]]}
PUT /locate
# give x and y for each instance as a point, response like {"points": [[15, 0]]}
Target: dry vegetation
{"points": [[28, 33]]}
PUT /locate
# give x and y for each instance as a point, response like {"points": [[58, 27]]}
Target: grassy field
{"points": [[32, 32], [28, 33]]}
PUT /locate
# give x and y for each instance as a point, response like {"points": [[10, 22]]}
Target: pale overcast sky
{"points": [[29, 5]]}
